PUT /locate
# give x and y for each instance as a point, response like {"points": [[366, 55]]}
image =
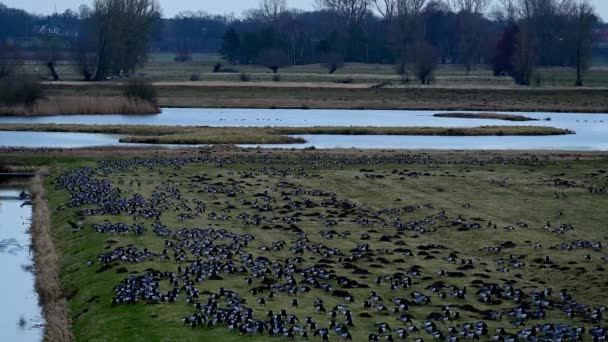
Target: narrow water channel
{"points": [[20, 312]]}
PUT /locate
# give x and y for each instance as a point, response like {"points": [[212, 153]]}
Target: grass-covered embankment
{"points": [[269, 135], [415, 98], [53, 300]]}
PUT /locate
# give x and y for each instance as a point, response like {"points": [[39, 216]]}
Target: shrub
{"points": [[244, 77], [276, 78], [20, 92], [195, 77], [140, 89], [217, 67], [332, 62], [347, 80]]}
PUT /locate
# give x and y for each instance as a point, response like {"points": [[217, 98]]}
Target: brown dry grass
{"points": [[46, 261], [62, 105]]}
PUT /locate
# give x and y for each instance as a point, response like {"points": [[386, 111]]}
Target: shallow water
{"points": [[591, 129], [20, 314], [57, 139], [306, 118]]}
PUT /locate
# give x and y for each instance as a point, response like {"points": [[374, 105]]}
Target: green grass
{"points": [[268, 135], [504, 190], [161, 67]]}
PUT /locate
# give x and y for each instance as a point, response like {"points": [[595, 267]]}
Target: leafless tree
{"points": [[545, 20], [274, 59], [271, 10], [525, 57], [582, 19], [404, 19], [471, 16], [424, 60], [386, 8], [351, 11], [121, 29]]}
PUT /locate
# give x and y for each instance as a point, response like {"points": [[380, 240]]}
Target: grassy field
{"points": [[357, 86], [447, 222], [268, 135], [161, 67]]}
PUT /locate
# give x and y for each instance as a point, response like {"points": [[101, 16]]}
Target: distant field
{"points": [[161, 67]]}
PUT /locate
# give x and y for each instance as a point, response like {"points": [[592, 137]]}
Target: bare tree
{"points": [[122, 30], [351, 11], [271, 10], [386, 8], [546, 22], [404, 17], [582, 21], [524, 58], [425, 59], [274, 59], [471, 16]]}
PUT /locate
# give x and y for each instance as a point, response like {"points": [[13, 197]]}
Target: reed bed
{"points": [[71, 105]]}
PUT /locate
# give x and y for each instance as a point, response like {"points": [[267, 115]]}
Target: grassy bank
{"points": [[268, 135], [454, 212], [69, 105], [421, 98], [47, 268], [490, 116]]}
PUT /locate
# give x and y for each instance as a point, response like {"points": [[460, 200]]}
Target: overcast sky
{"points": [[172, 7]]}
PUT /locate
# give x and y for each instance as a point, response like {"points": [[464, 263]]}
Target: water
{"points": [[57, 139], [306, 118], [591, 129], [20, 314]]}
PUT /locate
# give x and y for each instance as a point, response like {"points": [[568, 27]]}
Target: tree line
{"points": [[113, 37]]}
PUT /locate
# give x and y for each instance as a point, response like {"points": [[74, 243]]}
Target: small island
{"points": [[489, 116]]}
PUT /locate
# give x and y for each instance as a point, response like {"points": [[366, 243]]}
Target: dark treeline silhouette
{"points": [[414, 35]]}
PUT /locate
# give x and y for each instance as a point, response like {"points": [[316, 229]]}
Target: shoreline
{"points": [[46, 264]]}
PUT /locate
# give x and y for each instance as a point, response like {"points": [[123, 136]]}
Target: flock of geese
{"points": [[300, 262]]}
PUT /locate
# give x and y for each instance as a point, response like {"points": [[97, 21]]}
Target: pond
{"points": [[591, 129], [20, 313]]}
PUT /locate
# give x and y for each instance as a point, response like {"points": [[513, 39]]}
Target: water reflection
{"points": [[20, 315]]}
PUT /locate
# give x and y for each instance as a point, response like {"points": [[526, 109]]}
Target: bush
{"points": [[229, 70], [347, 80], [140, 89], [195, 77], [244, 77], [217, 67], [276, 78], [20, 92]]}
